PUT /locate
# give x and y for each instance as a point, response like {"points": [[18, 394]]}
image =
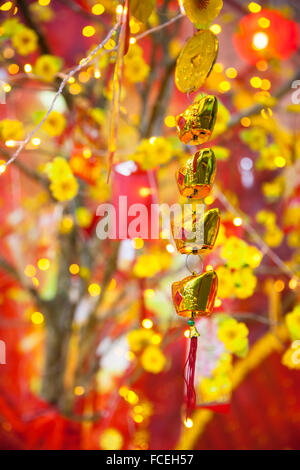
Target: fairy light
{"points": [[279, 285], [149, 293], [88, 31], [10, 143], [254, 7], [27, 68], [170, 121], [35, 281], [265, 84], [37, 318], [2, 166], [71, 80], [6, 87], [262, 65], [36, 141], [13, 69], [187, 333], [8, 53], [97, 73], [209, 267], [138, 243], [264, 22], [255, 82], [216, 28], [6, 6], [218, 303], [188, 423], [98, 9], [87, 153], [170, 248], [79, 390], [147, 323], [94, 289], [237, 221], [156, 339], [119, 9], [138, 418], [280, 162], [260, 41], [245, 121], [231, 72], [132, 40], [145, 192], [43, 264], [224, 86], [74, 269], [44, 3], [293, 284], [30, 270]]}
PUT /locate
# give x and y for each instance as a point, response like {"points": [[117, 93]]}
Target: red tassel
{"points": [[189, 369]]}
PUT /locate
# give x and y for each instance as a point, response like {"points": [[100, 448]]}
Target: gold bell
{"points": [[188, 240], [195, 295], [195, 125], [196, 177]]}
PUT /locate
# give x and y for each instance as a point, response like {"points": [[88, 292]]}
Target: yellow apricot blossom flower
{"points": [[25, 40], [292, 321], [202, 12], [55, 124], [64, 189], [147, 265], [233, 252], [234, 335], [253, 256], [153, 152], [244, 283], [11, 129], [273, 236], [266, 217], [153, 360], [225, 283], [215, 388], [273, 189], [58, 169], [223, 365], [47, 66], [291, 357], [84, 216], [139, 339], [136, 70]]}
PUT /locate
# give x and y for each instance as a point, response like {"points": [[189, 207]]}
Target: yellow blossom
{"points": [[273, 236], [215, 388], [273, 189], [84, 217], [147, 265], [266, 217], [291, 357], [234, 335], [55, 124], [25, 41], [139, 339], [153, 152], [10, 27], [292, 321], [47, 66], [223, 365], [64, 189], [255, 137], [136, 69], [225, 284], [244, 283], [253, 256], [233, 252], [59, 169], [153, 360], [11, 129]]}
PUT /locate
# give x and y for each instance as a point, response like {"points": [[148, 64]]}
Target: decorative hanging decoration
{"points": [[194, 296], [196, 123], [196, 61]]}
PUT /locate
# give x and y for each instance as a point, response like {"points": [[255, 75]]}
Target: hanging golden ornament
{"points": [[185, 235], [196, 61], [195, 295], [196, 177], [195, 125], [202, 12]]}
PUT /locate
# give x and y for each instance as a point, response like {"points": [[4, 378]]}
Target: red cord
{"points": [[189, 377]]}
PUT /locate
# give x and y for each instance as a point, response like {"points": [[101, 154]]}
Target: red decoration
{"points": [[256, 40], [85, 168]]}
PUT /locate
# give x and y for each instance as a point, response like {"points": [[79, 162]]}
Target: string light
{"points": [[147, 323], [216, 28], [260, 41], [98, 9], [94, 289], [43, 264], [188, 423], [254, 7], [27, 68], [237, 221], [36, 141], [37, 318], [170, 248], [74, 269], [88, 31], [79, 390]]}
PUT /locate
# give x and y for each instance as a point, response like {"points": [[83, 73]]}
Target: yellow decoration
{"points": [[55, 124], [25, 41], [234, 335], [11, 129], [47, 66], [111, 439], [196, 61]]}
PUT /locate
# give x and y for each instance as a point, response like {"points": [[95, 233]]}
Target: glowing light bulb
{"points": [[188, 423], [260, 41], [147, 323]]}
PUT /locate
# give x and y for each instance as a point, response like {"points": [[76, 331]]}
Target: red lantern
{"points": [[266, 35]]}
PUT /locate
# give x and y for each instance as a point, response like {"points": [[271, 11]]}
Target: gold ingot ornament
{"points": [[196, 124], [196, 177], [195, 295], [196, 60], [190, 242]]}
